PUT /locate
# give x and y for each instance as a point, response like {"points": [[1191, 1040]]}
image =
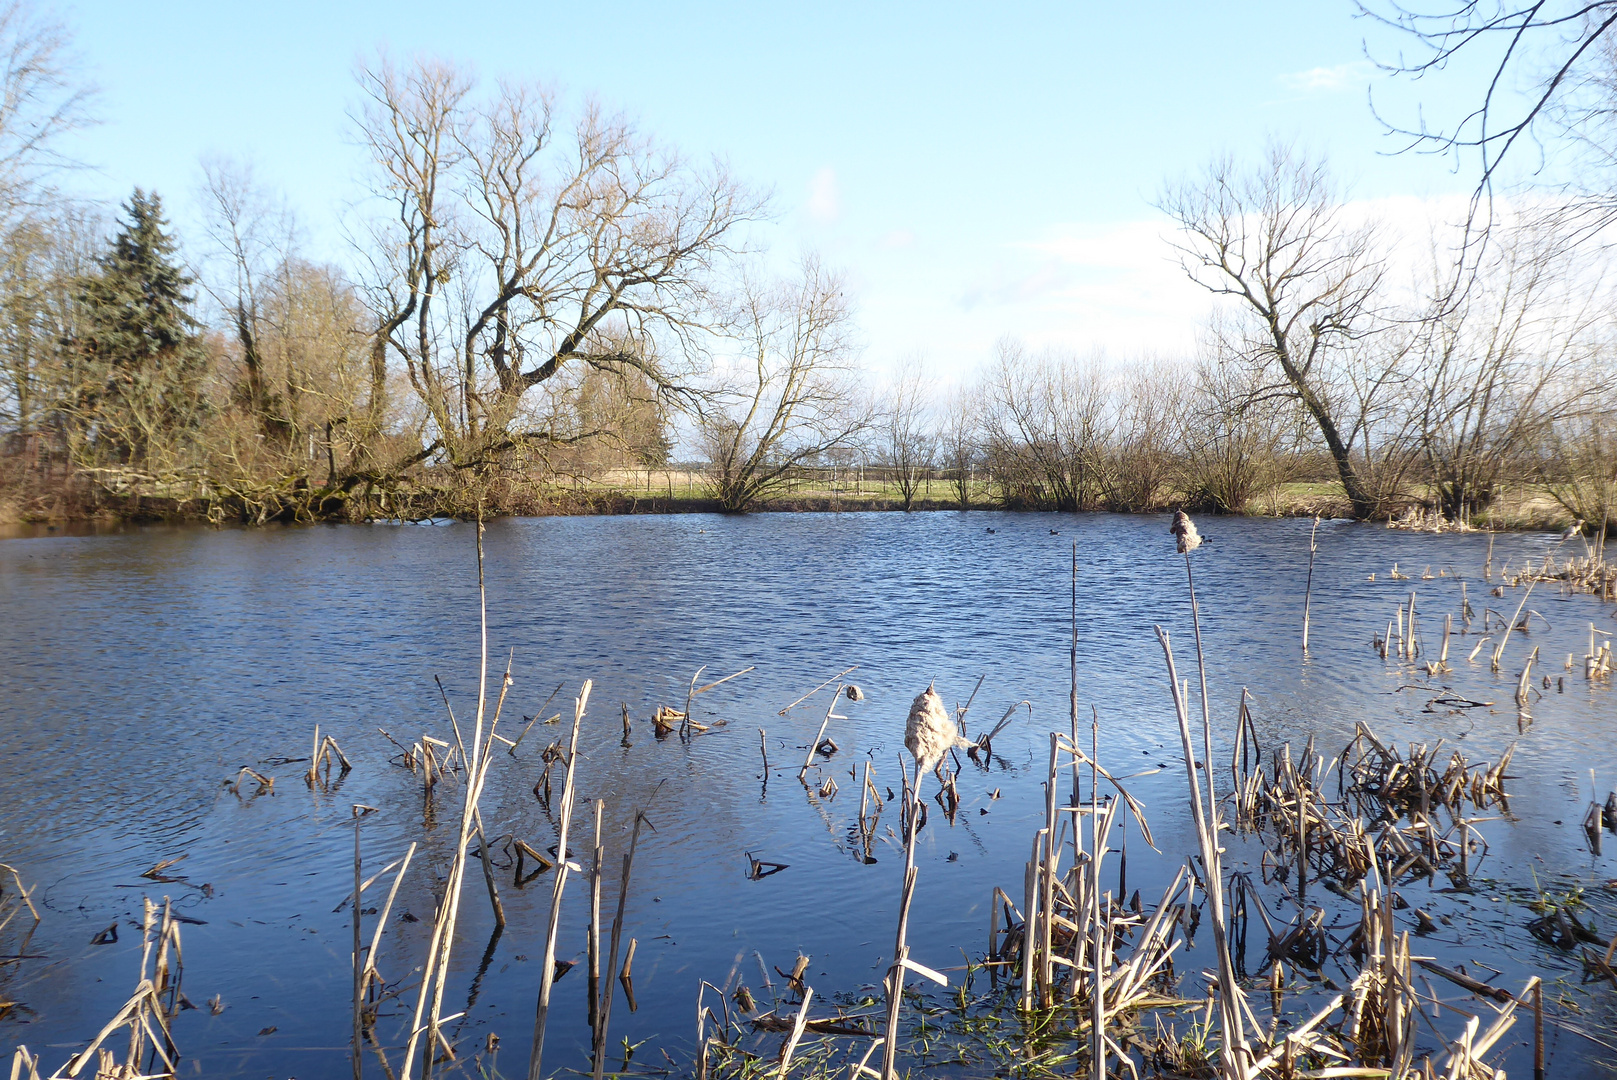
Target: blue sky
{"points": [[976, 171]]}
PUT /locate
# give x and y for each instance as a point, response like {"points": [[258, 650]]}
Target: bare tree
{"points": [[792, 399], [47, 240], [1239, 442], [508, 251], [1047, 426], [250, 232], [1498, 367], [1151, 434], [958, 441], [41, 263], [907, 445], [1276, 239], [1563, 51], [1579, 464], [42, 96]]}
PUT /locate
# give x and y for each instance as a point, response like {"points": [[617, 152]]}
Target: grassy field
{"points": [[1523, 508]]}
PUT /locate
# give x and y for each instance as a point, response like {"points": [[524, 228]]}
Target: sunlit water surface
{"points": [[140, 671]]}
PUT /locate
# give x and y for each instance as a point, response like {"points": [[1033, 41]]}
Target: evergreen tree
{"points": [[142, 350]]}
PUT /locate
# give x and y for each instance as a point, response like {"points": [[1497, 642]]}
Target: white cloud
{"points": [[824, 201], [897, 238], [1117, 287], [1327, 80]]}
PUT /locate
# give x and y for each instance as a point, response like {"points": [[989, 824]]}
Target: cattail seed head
{"points": [[1185, 530]]}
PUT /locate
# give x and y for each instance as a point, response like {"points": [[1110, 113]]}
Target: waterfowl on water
{"points": [[988, 530]]}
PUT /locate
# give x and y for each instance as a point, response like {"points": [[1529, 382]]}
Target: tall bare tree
{"points": [[1579, 457], [42, 96], [1277, 240], [792, 398], [250, 232], [46, 240], [42, 260], [509, 250]]}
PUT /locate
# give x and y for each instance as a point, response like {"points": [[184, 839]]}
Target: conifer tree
{"points": [[141, 348]]}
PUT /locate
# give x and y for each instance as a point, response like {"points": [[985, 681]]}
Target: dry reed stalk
{"points": [[145, 1013], [512, 748], [324, 750], [488, 872], [547, 970], [1101, 937], [369, 972], [796, 1034], [687, 722], [835, 678], [1234, 1052], [598, 854], [830, 715], [477, 759], [358, 965], [265, 783], [23, 894], [1414, 642], [901, 961], [604, 1008], [1030, 920], [1049, 853], [1308, 588], [1504, 639]]}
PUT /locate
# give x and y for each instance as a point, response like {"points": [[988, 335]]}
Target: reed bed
{"points": [[150, 1050]]}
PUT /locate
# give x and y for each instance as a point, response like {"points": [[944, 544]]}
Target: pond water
{"points": [[140, 671]]}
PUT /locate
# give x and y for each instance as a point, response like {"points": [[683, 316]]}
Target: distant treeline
{"points": [[536, 297]]}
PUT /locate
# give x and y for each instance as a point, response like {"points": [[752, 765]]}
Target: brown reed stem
{"points": [[1207, 716], [358, 965], [598, 854], [895, 976], [547, 970], [1235, 1051], [605, 1009], [1308, 589], [1100, 937]]}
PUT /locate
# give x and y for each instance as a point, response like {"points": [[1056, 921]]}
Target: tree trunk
{"points": [[1359, 498]]}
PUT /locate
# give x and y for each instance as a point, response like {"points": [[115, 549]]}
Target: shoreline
{"points": [[1516, 516]]}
